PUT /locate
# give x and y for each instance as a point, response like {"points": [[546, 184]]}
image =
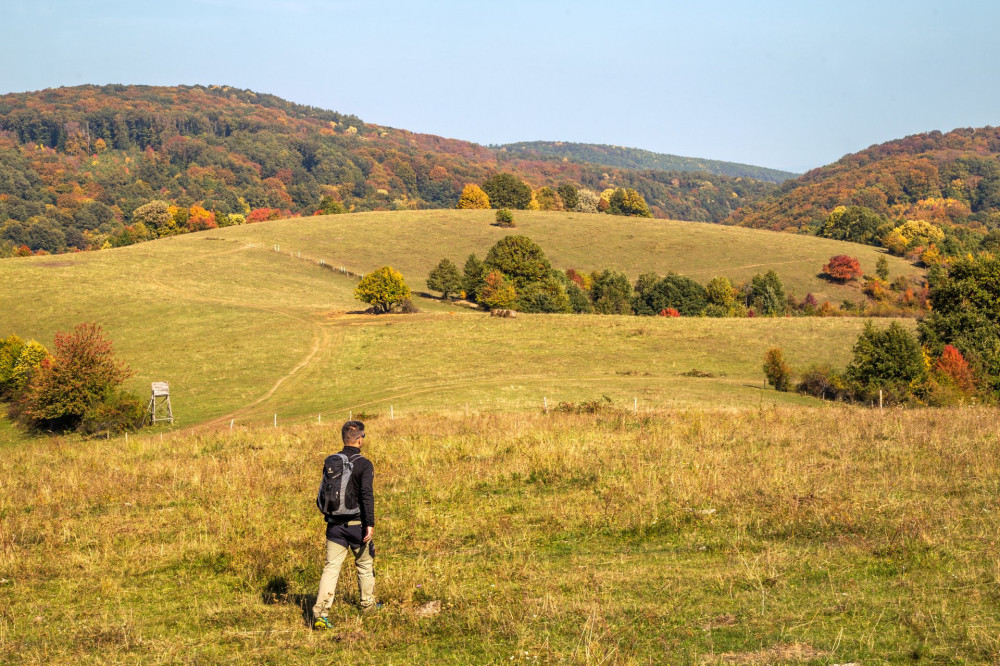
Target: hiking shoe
{"points": [[371, 609], [322, 623]]}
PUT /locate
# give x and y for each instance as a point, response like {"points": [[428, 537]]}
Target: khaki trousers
{"points": [[363, 563]]}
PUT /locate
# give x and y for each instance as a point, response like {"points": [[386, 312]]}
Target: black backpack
{"points": [[332, 496]]}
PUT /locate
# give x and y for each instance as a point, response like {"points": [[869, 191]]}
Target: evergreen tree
{"points": [[472, 278], [445, 278]]}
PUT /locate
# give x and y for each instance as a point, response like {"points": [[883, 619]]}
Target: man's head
{"points": [[352, 432]]}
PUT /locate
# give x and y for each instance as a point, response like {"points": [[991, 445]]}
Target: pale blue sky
{"points": [[789, 85]]}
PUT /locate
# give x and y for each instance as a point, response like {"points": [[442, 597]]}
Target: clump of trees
{"points": [[77, 387], [506, 191], [953, 357]]}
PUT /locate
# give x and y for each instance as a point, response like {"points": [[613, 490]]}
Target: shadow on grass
{"points": [[276, 592]]}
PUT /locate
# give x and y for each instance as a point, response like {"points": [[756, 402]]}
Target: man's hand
{"points": [[369, 531]]}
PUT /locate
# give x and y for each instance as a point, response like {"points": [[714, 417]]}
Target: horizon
{"points": [[782, 86]]}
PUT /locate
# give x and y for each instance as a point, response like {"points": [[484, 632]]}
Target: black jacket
{"points": [[359, 488]]}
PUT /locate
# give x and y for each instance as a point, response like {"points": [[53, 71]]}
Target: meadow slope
{"points": [[243, 332]]}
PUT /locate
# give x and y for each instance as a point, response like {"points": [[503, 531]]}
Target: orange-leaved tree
{"points": [[843, 268], [74, 388]]}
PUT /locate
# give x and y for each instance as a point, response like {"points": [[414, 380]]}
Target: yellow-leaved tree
{"points": [[473, 197], [383, 289]]}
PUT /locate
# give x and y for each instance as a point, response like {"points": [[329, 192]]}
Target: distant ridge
{"points": [[948, 178], [636, 158]]}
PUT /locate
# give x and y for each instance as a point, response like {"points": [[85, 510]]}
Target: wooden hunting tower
{"points": [[159, 402]]}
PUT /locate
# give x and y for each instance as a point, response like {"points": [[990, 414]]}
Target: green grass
{"points": [[770, 535], [244, 332]]}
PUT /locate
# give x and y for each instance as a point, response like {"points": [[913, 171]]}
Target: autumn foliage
{"points": [[953, 365], [843, 268], [78, 387]]}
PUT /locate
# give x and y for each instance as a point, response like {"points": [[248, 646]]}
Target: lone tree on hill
{"points": [[383, 290], [506, 190], [445, 278], [843, 268], [473, 197]]}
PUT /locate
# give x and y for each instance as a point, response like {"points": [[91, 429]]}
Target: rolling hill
{"points": [[949, 178], [636, 158], [76, 162], [244, 322]]}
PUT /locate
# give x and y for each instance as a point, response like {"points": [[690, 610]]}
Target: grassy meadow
{"points": [[244, 332], [697, 517], [773, 534]]}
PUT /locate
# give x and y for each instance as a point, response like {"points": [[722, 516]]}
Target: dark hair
{"points": [[352, 431]]}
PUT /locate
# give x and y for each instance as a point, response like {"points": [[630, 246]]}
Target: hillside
{"points": [[241, 329], [948, 178], [636, 158], [76, 162]]}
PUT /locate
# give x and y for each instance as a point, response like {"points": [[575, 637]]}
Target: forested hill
{"points": [[76, 162], [952, 179], [636, 158]]}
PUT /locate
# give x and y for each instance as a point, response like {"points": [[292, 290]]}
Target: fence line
{"points": [[322, 263]]}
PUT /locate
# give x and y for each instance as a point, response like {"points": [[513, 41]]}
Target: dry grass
{"points": [[680, 536]]}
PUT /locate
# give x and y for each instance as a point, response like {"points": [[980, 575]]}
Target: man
{"points": [[352, 524]]}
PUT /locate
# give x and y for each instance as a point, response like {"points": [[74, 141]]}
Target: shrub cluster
{"points": [[75, 388], [888, 365]]}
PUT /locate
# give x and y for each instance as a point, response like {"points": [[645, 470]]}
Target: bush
{"points": [[383, 290], [121, 411], [822, 381], [842, 268], [889, 359], [778, 373], [505, 218], [74, 382]]}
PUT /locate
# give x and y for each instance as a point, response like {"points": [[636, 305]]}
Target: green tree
{"points": [[579, 300], [473, 197], [882, 268], [857, 224], [568, 194], [330, 206], [32, 355], [155, 216], [546, 295], [965, 313], [721, 297], [671, 291], [611, 293], [549, 199], [520, 259], [767, 294], [10, 350], [505, 190], [445, 278], [889, 358], [778, 373], [628, 202], [473, 275], [383, 289]]}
